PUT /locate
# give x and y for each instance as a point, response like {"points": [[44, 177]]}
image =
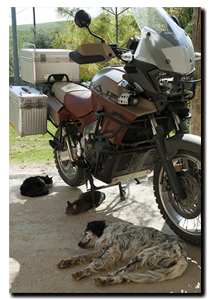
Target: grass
{"points": [[30, 149]]}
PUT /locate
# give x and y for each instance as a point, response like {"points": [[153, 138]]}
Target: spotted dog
{"points": [[162, 255]]}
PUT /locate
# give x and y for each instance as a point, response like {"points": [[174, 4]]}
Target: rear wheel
{"points": [[184, 216], [72, 175]]}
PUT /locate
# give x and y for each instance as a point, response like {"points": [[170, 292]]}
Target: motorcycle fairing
{"points": [[108, 82], [163, 43], [139, 71], [156, 50]]}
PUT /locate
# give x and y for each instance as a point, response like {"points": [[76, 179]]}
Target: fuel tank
{"points": [[108, 85], [110, 82]]}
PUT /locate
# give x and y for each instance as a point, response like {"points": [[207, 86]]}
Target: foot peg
{"points": [[54, 144]]}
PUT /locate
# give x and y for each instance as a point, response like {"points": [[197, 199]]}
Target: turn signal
{"points": [[197, 55], [127, 56]]}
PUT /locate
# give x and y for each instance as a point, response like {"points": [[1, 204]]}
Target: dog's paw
{"points": [[117, 272], [78, 275], [64, 264], [103, 281], [110, 274]]}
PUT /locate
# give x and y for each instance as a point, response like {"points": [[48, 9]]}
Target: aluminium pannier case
{"points": [[27, 110], [38, 64]]}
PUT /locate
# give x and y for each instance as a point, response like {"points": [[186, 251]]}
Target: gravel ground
{"points": [[41, 234]]}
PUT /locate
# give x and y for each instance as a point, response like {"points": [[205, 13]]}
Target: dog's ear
{"points": [[97, 227], [69, 203]]}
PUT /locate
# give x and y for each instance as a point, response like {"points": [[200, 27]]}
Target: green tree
{"points": [[11, 64], [68, 12], [114, 25], [184, 15], [42, 40], [116, 13]]}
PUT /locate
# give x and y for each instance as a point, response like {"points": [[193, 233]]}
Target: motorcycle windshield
{"points": [[163, 43]]}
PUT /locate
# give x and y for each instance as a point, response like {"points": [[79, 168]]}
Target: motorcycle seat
{"points": [[79, 103], [76, 98], [61, 89]]}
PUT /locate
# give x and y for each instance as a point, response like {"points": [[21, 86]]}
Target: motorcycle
{"points": [[130, 119]]}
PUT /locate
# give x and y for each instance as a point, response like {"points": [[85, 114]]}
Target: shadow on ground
{"points": [[41, 234]]}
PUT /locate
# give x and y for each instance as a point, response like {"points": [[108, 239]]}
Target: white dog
{"points": [[163, 255]]}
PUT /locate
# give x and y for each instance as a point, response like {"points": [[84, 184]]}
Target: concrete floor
{"points": [[41, 234]]}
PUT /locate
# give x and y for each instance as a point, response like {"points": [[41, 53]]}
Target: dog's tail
{"points": [[158, 275], [149, 276]]}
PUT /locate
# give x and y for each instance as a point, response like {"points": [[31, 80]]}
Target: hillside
{"points": [[26, 35]]}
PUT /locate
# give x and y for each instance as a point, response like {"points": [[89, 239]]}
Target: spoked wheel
{"points": [[184, 216], [72, 175]]}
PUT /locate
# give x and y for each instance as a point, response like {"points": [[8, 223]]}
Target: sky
{"points": [[24, 15]]}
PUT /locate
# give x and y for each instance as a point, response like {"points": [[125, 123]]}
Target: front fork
{"points": [[158, 138]]}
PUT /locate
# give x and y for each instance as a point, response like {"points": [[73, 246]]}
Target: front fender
{"points": [[182, 141]]}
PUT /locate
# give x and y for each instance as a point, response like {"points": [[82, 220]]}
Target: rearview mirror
{"points": [[82, 19]]}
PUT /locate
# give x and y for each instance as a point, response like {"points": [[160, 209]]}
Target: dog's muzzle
{"points": [[83, 245]]}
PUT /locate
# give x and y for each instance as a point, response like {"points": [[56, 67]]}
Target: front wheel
{"points": [[184, 216]]}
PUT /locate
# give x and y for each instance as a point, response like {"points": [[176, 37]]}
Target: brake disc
{"points": [[190, 207]]}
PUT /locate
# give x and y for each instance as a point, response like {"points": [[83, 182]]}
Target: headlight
{"points": [[175, 86], [164, 82]]}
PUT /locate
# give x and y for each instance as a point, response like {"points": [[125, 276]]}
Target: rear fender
{"points": [[182, 141]]}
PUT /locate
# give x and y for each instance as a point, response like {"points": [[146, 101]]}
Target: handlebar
{"points": [[119, 51]]}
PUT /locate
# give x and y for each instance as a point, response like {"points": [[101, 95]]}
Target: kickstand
{"points": [[121, 192], [89, 177], [94, 188]]}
